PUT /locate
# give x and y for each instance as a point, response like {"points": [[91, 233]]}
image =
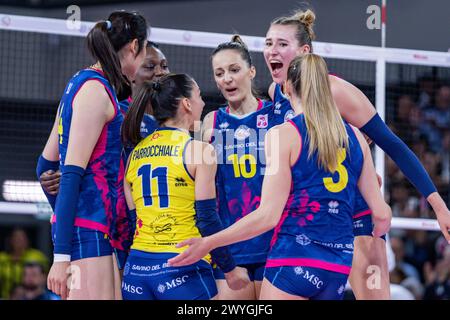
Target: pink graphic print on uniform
{"points": [[246, 204]]}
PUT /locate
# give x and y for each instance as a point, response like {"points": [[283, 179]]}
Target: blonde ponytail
{"points": [[326, 130]]}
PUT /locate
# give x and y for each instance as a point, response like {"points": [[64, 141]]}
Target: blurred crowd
{"points": [[23, 270], [422, 120]]}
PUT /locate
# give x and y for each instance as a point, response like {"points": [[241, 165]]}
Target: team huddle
{"points": [[278, 199]]}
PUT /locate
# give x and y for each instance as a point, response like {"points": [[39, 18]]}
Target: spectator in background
{"points": [[427, 85], [419, 248], [35, 283], [437, 118], [432, 163], [401, 199], [405, 279], [404, 127], [18, 253], [445, 157], [420, 144], [402, 269], [439, 113], [17, 293], [438, 278]]}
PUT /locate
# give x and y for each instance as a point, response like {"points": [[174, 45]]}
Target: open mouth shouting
{"points": [[276, 67]]}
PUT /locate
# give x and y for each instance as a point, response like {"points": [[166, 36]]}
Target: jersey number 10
{"points": [[240, 167]]}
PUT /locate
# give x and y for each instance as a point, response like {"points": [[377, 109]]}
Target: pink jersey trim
{"points": [[362, 214], [111, 97], [260, 105], [304, 262], [84, 223], [301, 141]]}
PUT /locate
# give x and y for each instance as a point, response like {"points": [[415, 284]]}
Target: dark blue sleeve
{"points": [[406, 160], [44, 165], [66, 205], [208, 223]]}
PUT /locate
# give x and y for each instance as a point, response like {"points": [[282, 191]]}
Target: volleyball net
{"points": [[39, 55]]}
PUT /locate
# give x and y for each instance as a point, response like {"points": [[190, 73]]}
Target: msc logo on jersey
{"points": [[172, 284], [313, 279], [242, 133], [180, 182], [289, 115], [161, 288], [298, 270], [132, 289], [332, 207]]}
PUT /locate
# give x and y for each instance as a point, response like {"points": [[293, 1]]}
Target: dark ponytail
{"points": [[162, 97], [131, 127], [106, 38]]}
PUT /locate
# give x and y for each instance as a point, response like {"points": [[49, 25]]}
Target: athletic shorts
{"points": [[362, 219], [255, 271], [87, 243], [311, 283], [147, 276]]}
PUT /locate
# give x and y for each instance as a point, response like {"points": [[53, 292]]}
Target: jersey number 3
{"points": [[340, 185]]}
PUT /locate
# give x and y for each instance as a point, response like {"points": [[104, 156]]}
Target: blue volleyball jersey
{"points": [[316, 227], [101, 201], [239, 144], [283, 109]]}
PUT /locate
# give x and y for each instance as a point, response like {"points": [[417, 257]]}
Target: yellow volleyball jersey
{"points": [[163, 192]]}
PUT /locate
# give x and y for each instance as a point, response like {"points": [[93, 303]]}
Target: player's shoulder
{"points": [[284, 131]]}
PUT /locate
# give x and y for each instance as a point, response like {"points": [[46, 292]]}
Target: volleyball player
{"points": [[291, 36], [316, 162], [122, 228], [86, 137], [237, 132], [170, 185], [154, 67]]}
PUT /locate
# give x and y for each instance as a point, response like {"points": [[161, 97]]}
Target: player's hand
{"points": [[198, 248], [50, 181], [237, 278], [57, 279], [443, 218], [382, 221]]}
